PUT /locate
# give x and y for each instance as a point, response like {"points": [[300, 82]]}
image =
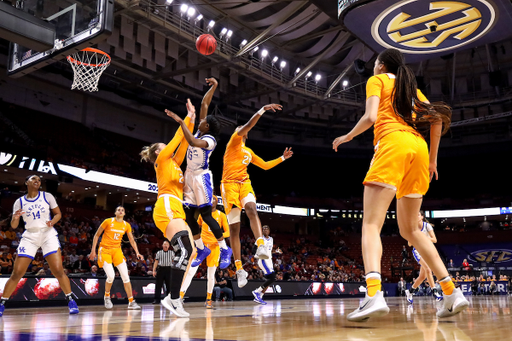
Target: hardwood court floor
{"points": [[487, 318]]}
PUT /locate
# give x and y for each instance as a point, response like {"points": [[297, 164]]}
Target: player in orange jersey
{"points": [[212, 260], [237, 192], [110, 254], [402, 166], [168, 213]]}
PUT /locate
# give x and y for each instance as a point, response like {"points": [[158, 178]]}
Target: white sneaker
{"points": [[108, 303], [453, 304], [408, 296], [262, 252], [133, 305], [241, 276], [371, 307], [174, 306]]}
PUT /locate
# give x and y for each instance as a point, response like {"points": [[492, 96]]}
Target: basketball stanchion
{"points": [[88, 65]]}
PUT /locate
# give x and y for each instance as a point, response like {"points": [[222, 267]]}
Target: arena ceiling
{"points": [[306, 35]]}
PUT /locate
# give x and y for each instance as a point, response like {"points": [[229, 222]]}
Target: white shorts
{"points": [[266, 265], [198, 189], [30, 242], [416, 255]]}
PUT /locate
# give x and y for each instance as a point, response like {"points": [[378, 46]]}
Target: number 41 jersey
{"points": [[37, 211], [113, 232]]}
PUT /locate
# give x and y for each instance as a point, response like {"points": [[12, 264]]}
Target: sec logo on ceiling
{"points": [[422, 27]]}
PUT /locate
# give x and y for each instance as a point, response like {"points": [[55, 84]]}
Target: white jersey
{"points": [[426, 228], [199, 158], [37, 211], [269, 244]]}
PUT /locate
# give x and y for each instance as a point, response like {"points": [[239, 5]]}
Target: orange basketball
{"points": [[206, 44]]}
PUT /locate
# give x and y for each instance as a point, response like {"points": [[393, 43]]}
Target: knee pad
{"points": [[123, 271], [206, 214], [109, 272], [182, 247]]}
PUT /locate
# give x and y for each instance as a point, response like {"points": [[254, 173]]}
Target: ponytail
{"points": [[148, 153], [406, 104]]}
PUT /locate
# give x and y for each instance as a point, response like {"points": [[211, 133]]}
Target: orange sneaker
{"points": [[208, 304]]}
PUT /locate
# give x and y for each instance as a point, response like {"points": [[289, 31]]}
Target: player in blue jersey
{"points": [[37, 208], [198, 188]]}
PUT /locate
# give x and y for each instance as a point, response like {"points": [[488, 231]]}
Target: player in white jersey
{"points": [[198, 188], [37, 208], [425, 271], [266, 266]]}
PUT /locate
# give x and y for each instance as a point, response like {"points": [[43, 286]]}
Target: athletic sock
{"points": [[182, 294], [69, 297], [447, 285], [208, 296], [107, 294], [222, 244], [130, 299], [238, 264], [373, 283], [3, 300], [199, 243], [260, 241]]}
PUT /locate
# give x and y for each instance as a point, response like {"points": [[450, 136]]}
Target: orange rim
{"points": [[90, 49]]}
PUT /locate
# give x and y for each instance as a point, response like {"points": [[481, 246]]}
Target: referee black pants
{"points": [[163, 274]]}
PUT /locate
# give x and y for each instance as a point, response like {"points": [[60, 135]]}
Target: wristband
{"points": [[261, 111], [282, 158]]}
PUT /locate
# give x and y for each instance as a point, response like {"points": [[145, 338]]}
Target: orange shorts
{"points": [[111, 256], [236, 194], [166, 209], [401, 162], [213, 258]]}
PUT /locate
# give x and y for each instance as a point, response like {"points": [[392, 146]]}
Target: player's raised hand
{"points": [[340, 140], [273, 107], [211, 81], [288, 153], [173, 116]]}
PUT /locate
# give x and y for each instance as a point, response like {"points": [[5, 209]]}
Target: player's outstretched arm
{"points": [[181, 152], [207, 99], [365, 122], [256, 117], [266, 165], [187, 133]]}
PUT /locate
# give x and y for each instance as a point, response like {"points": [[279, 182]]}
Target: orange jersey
{"points": [[237, 157], [169, 176], [387, 120], [206, 234], [113, 232]]}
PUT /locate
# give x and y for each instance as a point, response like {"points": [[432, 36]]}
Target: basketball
{"points": [[206, 44]]}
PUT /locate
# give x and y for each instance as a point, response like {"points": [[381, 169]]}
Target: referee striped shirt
{"points": [[164, 258]]}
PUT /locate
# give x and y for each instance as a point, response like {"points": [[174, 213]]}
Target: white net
{"points": [[88, 65]]}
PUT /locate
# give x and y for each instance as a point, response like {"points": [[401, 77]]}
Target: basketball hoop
{"points": [[88, 65]]}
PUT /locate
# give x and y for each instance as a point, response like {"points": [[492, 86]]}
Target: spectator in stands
{"points": [[402, 286], [465, 265], [63, 238], [3, 236], [221, 286], [44, 271], [73, 257], [94, 271], [405, 255], [5, 263], [493, 288], [73, 239], [451, 264], [81, 265]]}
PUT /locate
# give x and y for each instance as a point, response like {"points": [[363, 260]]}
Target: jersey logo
{"points": [[420, 27], [21, 249]]}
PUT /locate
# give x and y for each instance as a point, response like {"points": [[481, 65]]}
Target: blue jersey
{"points": [[199, 158]]}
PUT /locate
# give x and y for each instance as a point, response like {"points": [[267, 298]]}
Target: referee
{"points": [[162, 271]]}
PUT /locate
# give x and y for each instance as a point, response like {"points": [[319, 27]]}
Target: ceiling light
{"points": [[184, 8]]}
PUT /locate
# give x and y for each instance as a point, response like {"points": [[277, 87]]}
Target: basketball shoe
{"points": [[408, 296], [225, 257], [73, 307], [437, 295], [375, 306], [258, 297], [262, 252], [453, 304], [174, 306], [208, 304], [241, 276], [200, 257], [108, 303], [133, 306]]}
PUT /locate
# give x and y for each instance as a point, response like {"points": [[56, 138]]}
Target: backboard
{"points": [[78, 24]]}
